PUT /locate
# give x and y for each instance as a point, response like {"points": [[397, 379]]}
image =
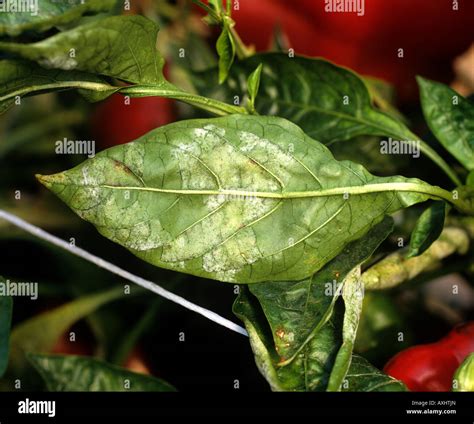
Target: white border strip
{"points": [[149, 285]]}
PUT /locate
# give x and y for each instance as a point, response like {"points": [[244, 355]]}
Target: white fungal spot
{"points": [[217, 130], [64, 62], [213, 202]]}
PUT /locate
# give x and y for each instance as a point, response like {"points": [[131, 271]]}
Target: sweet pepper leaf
{"points": [[41, 332], [353, 294], [239, 199], [330, 103], [225, 47], [451, 118], [298, 344], [427, 229], [364, 377], [253, 85], [68, 373], [122, 47], [296, 310], [19, 78], [311, 367], [6, 305], [45, 14]]}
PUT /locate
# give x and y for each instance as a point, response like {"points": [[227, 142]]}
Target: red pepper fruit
{"points": [[115, 122], [431, 367]]}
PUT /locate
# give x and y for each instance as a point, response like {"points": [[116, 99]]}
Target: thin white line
{"points": [[149, 285]]}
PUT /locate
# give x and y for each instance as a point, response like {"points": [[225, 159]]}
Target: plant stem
{"points": [[85, 85], [170, 91], [396, 268]]}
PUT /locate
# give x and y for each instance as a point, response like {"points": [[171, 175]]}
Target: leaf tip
{"points": [[48, 180]]}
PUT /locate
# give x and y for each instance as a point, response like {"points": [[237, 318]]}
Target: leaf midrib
{"points": [[348, 190]]}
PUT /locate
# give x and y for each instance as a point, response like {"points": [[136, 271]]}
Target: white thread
{"points": [[149, 285]]}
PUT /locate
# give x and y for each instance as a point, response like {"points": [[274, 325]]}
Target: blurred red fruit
{"points": [[115, 122]]}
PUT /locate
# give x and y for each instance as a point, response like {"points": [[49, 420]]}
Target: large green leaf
{"points": [[49, 13], [19, 78], [41, 332], [123, 47], [451, 118], [330, 103], [294, 331], [83, 374], [363, 377], [240, 199], [6, 305]]}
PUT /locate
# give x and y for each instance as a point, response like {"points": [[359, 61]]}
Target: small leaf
{"points": [[122, 47], [50, 13], [363, 377], [41, 332], [253, 85], [240, 199], [451, 118], [6, 305], [427, 229], [353, 294], [226, 50], [67, 373]]}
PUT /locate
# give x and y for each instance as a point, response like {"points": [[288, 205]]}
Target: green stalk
{"points": [[395, 269], [85, 85], [171, 92]]}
